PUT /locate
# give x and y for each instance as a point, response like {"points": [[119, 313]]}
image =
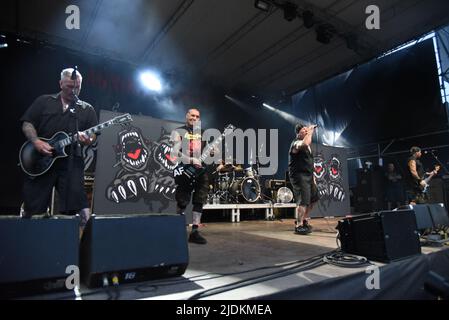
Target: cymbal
{"points": [[230, 168], [227, 168]]}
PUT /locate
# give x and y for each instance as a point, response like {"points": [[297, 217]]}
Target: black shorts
{"points": [[199, 189], [304, 189], [415, 194]]}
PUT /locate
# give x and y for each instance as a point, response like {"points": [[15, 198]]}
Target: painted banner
{"points": [[134, 171], [331, 174]]}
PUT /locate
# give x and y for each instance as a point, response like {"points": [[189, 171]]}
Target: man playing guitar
{"points": [[48, 115], [418, 180]]}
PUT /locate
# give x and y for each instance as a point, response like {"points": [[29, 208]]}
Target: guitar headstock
{"points": [[229, 129], [123, 119]]}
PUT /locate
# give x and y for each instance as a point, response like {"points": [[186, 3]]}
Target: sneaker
{"points": [[195, 237], [302, 230]]}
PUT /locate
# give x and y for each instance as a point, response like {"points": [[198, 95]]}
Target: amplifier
{"points": [[275, 184]]}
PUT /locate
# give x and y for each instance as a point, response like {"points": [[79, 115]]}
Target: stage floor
{"points": [[266, 260]]}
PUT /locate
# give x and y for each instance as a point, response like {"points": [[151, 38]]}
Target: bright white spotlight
{"points": [[151, 81], [268, 106], [284, 115], [3, 45]]}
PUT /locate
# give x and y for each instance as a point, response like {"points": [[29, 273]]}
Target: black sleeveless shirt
{"points": [[301, 162], [419, 169]]}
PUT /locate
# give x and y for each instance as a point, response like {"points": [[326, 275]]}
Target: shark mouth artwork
{"points": [[163, 156], [328, 179], [146, 170], [162, 180], [134, 153], [336, 190]]}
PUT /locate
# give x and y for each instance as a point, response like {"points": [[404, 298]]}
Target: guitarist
{"points": [[47, 115], [416, 182], [183, 138]]}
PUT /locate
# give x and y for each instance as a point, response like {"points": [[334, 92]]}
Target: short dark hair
{"points": [[414, 150], [298, 127]]}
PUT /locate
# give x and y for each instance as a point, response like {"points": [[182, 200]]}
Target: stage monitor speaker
{"points": [[382, 236], [439, 215], [35, 253], [422, 214], [429, 216], [133, 248]]}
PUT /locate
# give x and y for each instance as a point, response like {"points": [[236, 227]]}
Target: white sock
{"points": [[196, 218]]}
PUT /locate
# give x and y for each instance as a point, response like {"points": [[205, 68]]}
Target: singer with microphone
{"points": [[48, 115], [301, 170]]}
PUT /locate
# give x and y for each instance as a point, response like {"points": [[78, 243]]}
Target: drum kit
{"points": [[233, 184]]}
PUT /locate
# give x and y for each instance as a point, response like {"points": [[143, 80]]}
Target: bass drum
{"points": [[245, 190]]}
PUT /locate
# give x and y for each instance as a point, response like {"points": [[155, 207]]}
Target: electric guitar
{"points": [[425, 189], [34, 163], [188, 173]]}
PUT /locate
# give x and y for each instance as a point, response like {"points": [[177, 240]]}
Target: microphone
{"points": [[427, 151], [73, 77]]}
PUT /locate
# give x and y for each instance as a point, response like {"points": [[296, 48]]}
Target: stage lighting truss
{"points": [[290, 11], [324, 33]]}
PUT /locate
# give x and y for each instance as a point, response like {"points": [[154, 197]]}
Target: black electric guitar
{"points": [[34, 163], [188, 173], [425, 189]]}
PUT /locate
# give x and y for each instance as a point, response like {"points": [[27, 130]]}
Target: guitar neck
{"points": [[97, 128], [430, 177], [210, 147]]}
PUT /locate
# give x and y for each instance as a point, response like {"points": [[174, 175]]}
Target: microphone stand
{"points": [[75, 147], [439, 162]]}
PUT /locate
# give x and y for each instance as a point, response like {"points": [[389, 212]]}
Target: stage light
{"points": [[151, 81], [307, 17], [3, 43], [324, 33], [290, 11], [262, 5], [284, 115]]}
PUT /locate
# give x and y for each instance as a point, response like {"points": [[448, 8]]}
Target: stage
{"points": [[266, 260]]}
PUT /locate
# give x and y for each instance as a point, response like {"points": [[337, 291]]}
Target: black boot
{"points": [[195, 237]]}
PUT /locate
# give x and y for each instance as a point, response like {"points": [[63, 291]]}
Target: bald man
{"points": [[187, 136]]}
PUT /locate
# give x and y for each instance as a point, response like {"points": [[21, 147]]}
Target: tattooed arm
{"points": [[30, 132]]}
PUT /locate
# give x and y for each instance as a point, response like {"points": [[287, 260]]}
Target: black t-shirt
{"points": [[47, 116], [301, 162]]}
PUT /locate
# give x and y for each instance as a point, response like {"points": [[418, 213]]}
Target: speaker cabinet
{"points": [[35, 253], [382, 236], [133, 248]]}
